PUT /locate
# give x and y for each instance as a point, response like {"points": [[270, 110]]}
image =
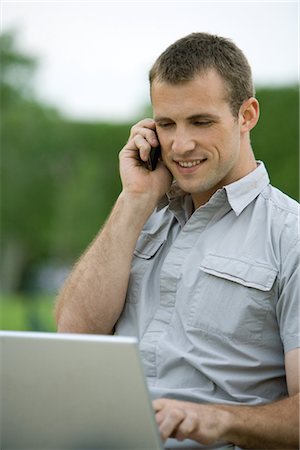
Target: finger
{"points": [[145, 123], [147, 133], [143, 147], [161, 403], [170, 423], [160, 417], [157, 404], [186, 427]]}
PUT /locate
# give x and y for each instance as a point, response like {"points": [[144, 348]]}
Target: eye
{"points": [[202, 123], [164, 124]]}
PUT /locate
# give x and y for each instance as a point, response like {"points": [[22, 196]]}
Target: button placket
{"points": [[170, 275]]}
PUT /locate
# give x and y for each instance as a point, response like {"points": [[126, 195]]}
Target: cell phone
{"points": [[154, 155]]}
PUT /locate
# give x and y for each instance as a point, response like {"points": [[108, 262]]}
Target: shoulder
{"points": [[280, 202], [282, 219], [282, 212]]}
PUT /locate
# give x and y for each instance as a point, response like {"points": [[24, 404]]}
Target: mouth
{"points": [[190, 165]]}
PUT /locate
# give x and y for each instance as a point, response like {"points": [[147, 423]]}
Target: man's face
{"points": [[199, 136]]}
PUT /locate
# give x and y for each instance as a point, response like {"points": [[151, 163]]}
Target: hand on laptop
{"points": [[185, 420]]}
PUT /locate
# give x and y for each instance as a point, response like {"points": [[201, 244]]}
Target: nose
{"points": [[182, 142]]}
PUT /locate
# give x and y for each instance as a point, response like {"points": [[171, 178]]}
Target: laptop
{"points": [[73, 391]]}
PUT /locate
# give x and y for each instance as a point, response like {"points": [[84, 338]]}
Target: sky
{"points": [[94, 56]]}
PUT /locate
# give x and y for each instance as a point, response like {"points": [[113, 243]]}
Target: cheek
{"points": [[165, 145], [210, 138], [226, 143], [165, 154]]}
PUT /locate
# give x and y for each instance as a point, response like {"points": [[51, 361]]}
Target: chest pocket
{"points": [[147, 248], [232, 298]]}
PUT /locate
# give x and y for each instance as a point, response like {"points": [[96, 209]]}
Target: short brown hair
{"points": [[199, 52]]}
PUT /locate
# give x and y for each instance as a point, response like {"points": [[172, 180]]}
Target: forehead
{"points": [[204, 93]]}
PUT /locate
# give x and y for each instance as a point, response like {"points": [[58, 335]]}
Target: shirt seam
{"points": [[280, 207]]}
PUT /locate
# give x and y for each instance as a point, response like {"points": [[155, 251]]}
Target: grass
{"points": [[22, 313]]}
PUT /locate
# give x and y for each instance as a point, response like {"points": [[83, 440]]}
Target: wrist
{"points": [[227, 422], [142, 203], [230, 423], [137, 208]]}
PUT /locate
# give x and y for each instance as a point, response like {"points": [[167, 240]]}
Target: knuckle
{"points": [[176, 414], [121, 153], [193, 416], [142, 127], [133, 128], [185, 430]]}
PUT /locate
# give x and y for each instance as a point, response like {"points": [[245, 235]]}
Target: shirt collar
{"points": [[239, 194], [242, 192], [174, 195]]}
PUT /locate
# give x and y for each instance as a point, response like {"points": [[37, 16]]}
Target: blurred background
{"points": [[73, 81]]}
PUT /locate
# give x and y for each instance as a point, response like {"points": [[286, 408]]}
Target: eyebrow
{"points": [[190, 118]]}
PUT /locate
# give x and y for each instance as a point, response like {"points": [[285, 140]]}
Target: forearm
{"points": [[272, 426], [93, 297]]}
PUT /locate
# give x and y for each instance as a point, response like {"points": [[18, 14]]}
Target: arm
{"points": [[272, 426], [93, 297]]}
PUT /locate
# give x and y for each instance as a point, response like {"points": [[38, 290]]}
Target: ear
{"points": [[249, 114]]}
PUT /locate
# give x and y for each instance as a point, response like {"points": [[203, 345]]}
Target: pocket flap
{"points": [[247, 273], [147, 246]]}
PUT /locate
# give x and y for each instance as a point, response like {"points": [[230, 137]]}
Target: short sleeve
{"points": [[288, 305]]}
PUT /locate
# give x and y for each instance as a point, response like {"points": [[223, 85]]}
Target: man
{"points": [[205, 277]]}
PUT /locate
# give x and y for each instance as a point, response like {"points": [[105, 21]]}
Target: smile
{"points": [[190, 163]]}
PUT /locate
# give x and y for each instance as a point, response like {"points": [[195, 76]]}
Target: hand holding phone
{"points": [[154, 155]]}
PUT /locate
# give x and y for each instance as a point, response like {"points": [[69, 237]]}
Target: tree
{"points": [[25, 187]]}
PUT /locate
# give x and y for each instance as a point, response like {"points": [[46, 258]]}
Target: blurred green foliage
{"points": [[60, 177], [275, 139], [27, 314]]}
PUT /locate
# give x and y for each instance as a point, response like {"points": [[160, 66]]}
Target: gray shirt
{"points": [[213, 294]]}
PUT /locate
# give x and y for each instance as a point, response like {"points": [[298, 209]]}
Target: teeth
{"points": [[189, 163]]}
